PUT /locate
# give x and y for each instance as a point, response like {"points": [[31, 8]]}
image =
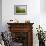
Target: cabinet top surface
{"points": [[19, 23]]}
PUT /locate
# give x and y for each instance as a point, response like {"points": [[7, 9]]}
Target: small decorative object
{"points": [[41, 36], [11, 20], [27, 21], [14, 21], [20, 9]]}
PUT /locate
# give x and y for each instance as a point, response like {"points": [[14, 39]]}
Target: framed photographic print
{"points": [[20, 9]]}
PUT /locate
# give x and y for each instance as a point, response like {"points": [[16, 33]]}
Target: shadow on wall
{"points": [[0, 15], [43, 6]]}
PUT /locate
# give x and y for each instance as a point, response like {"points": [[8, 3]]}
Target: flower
{"points": [[40, 33]]}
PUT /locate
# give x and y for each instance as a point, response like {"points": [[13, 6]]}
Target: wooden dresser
{"points": [[22, 33]]}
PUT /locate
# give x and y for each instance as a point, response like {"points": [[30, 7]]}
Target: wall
{"points": [[33, 11], [43, 14], [34, 14], [0, 15], [43, 6]]}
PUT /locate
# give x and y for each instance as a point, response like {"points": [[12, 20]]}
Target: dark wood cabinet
{"points": [[22, 33]]}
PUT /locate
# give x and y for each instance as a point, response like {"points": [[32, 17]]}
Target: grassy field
{"points": [[20, 10]]}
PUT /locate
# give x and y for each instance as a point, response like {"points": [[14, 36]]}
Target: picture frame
{"points": [[20, 9]]}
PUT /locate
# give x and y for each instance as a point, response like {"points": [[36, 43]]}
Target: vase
{"points": [[41, 43]]}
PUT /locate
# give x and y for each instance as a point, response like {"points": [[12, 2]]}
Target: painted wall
{"points": [[34, 14], [0, 15], [43, 6], [43, 14], [33, 11]]}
